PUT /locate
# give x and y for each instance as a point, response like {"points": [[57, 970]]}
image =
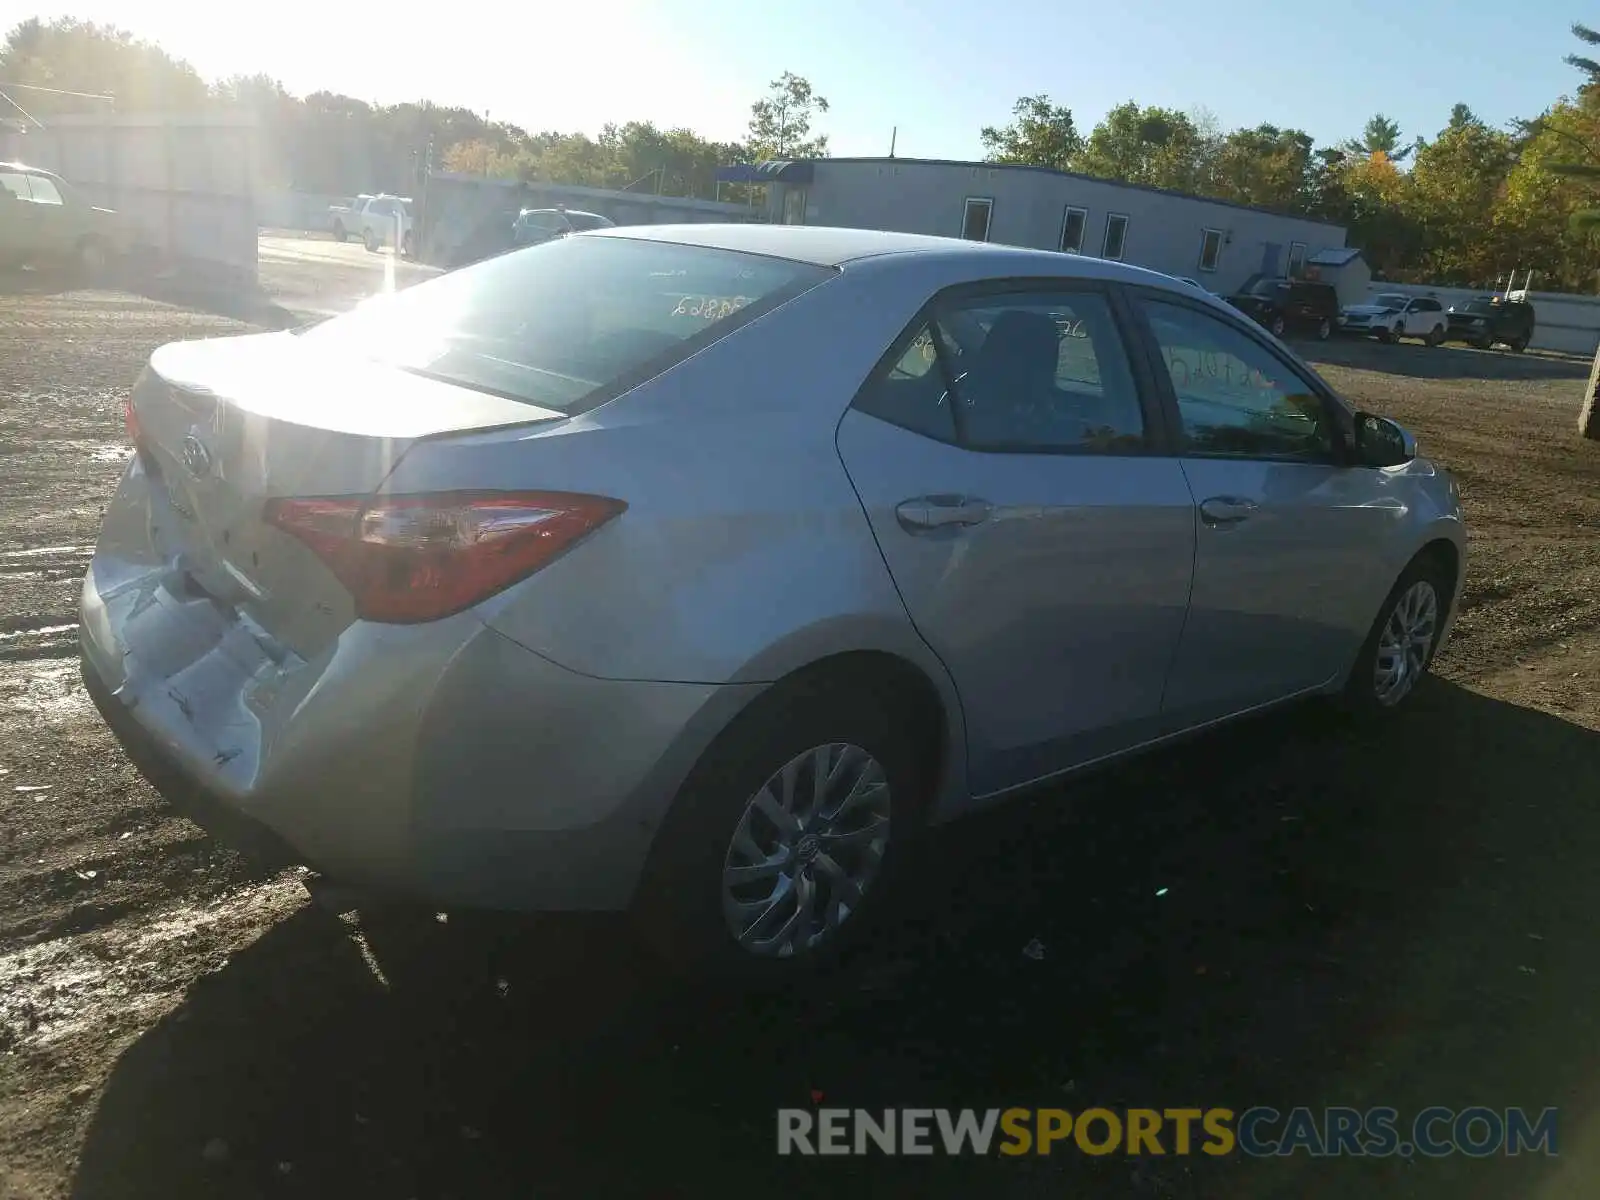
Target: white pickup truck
{"points": [[378, 221]]}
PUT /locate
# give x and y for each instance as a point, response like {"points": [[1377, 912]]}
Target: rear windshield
{"points": [[568, 324], [1482, 308], [1267, 287]]}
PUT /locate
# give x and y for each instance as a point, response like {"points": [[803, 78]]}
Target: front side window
{"points": [[1297, 258], [15, 183], [44, 190], [568, 323], [1210, 249], [1235, 397], [1039, 372], [975, 219], [794, 206], [1072, 223], [1116, 237]]}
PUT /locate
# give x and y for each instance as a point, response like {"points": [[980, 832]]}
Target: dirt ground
{"points": [[1296, 911]]}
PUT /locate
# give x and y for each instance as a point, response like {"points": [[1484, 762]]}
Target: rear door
{"points": [[1014, 474], [1288, 532]]}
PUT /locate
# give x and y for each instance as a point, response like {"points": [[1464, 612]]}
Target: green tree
{"points": [[780, 122], [1455, 187], [1379, 135], [1266, 166], [1158, 147], [80, 56], [1040, 135]]}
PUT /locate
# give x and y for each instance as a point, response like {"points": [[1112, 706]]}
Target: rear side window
{"points": [[568, 324], [1037, 372]]}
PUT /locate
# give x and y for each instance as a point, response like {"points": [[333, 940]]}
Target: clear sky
{"points": [[939, 69]]}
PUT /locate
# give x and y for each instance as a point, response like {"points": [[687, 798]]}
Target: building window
{"points": [[975, 221], [1072, 223], [1210, 248], [1297, 259], [794, 206], [1116, 236]]}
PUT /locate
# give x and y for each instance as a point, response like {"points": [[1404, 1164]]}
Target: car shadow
{"points": [[1298, 910], [183, 285], [1450, 361]]}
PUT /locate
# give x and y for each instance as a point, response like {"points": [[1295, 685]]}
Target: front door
{"points": [[1042, 549], [18, 218], [1285, 529]]}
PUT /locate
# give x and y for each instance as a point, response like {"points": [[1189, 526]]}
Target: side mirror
{"points": [[1381, 442]]}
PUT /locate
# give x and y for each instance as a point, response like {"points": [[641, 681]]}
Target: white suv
{"points": [[1392, 315]]}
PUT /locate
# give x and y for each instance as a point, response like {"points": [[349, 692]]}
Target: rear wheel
{"points": [[339, 232], [791, 830], [1399, 648], [1519, 343], [1277, 326], [370, 241]]}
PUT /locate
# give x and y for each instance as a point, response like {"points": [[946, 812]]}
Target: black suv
{"points": [[1284, 304], [1489, 319]]}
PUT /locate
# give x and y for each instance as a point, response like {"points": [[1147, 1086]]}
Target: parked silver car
{"points": [[690, 569]]}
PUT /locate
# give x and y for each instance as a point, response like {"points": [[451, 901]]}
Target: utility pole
{"points": [[894, 135]]}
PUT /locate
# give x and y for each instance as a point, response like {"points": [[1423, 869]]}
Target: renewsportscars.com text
{"points": [[1258, 1132]]}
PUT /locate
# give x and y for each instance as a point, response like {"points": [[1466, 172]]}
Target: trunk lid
{"points": [[226, 425]]}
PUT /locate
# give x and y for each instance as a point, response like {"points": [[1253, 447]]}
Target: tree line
{"points": [[1465, 206]]}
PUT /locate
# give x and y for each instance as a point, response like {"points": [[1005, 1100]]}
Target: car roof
{"points": [[23, 168], [827, 246]]}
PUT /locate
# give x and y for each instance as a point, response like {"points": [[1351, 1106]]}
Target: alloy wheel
{"points": [[1405, 643], [808, 846]]}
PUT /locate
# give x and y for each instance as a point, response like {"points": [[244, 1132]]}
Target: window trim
{"points": [[1126, 320], [1206, 232], [1341, 415], [1105, 237], [1289, 271], [1083, 229], [987, 202]]}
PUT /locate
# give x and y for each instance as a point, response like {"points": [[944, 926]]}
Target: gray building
{"points": [[1214, 242]]}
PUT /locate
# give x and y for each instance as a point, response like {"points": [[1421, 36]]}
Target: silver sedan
{"points": [[689, 570]]}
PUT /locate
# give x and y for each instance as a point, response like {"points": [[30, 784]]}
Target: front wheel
{"points": [[1399, 648], [1277, 326], [339, 233], [1386, 336], [1324, 329], [370, 241], [1435, 337], [1518, 344], [788, 833]]}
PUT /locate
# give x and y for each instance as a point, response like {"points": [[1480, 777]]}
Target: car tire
{"points": [[1518, 344], [1392, 661], [1324, 329], [407, 249], [1385, 335], [1278, 327], [1435, 337], [370, 241], [339, 232], [1483, 344], [687, 910]]}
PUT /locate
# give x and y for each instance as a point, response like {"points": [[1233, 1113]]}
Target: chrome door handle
{"points": [[1226, 510], [939, 512]]}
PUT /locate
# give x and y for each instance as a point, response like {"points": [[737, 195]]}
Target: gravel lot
{"points": [[1292, 912]]}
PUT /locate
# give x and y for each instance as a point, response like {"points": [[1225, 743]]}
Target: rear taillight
{"points": [[418, 558]]}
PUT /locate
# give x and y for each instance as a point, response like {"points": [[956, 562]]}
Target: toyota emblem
{"points": [[196, 457]]}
